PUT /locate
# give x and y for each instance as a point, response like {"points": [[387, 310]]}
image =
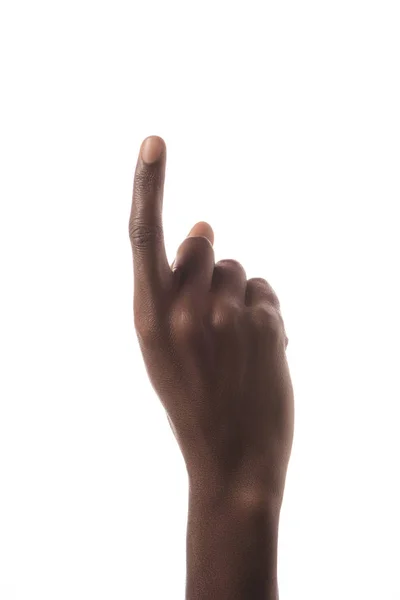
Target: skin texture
{"points": [[214, 345]]}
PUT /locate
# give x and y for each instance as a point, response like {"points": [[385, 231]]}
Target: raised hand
{"points": [[214, 345]]}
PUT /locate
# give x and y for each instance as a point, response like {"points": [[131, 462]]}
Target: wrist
{"points": [[250, 490], [232, 541]]}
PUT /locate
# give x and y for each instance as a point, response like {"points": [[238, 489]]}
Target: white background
{"points": [[282, 126]]}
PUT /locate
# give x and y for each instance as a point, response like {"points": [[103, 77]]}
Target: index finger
{"points": [[150, 262]]}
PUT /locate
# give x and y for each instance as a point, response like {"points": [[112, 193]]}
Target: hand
{"points": [[214, 345]]}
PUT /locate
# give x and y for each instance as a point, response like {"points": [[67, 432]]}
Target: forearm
{"points": [[231, 547]]}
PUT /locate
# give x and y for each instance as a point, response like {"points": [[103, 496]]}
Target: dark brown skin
{"points": [[214, 345]]}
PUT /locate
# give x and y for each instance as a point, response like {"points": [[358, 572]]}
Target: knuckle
{"points": [[258, 281], [265, 288], [265, 317], [142, 235], [225, 316], [231, 264], [273, 299], [184, 324]]}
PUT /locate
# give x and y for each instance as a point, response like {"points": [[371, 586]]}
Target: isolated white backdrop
{"points": [[282, 126]]}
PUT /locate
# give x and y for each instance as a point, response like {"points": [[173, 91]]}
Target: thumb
{"points": [[202, 229]]}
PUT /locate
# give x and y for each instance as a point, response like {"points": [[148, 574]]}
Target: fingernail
{"points": [[202, 229], [151, 149]]}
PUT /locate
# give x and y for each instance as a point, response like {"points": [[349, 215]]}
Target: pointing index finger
{"points": [[145, 224]]}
